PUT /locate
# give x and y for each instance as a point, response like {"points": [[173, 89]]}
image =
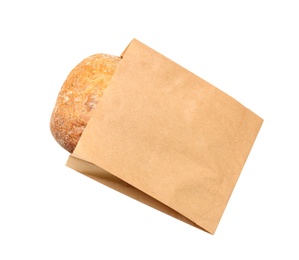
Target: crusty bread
{"points": [[79, 96]]}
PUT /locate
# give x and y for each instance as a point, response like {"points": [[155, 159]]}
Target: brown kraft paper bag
{"points": [[166, 137]]}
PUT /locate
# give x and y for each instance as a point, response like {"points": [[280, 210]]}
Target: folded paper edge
{"points": [[102, 176], [123, 53]]}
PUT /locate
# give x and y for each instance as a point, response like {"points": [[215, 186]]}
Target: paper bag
{"points": [[166, 137]]}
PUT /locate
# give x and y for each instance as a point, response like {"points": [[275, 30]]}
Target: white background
{"points": [[249, 49]]}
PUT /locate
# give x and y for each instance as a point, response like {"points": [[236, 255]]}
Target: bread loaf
{"points": [[79, 96]]}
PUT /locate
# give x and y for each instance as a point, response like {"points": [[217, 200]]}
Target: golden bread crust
{"points": [[79, 96]]}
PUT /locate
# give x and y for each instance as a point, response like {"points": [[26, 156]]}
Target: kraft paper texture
{"points": [[164, 136]]}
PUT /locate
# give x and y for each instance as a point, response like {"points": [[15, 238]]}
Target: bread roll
{"points": [[79, 96]]}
